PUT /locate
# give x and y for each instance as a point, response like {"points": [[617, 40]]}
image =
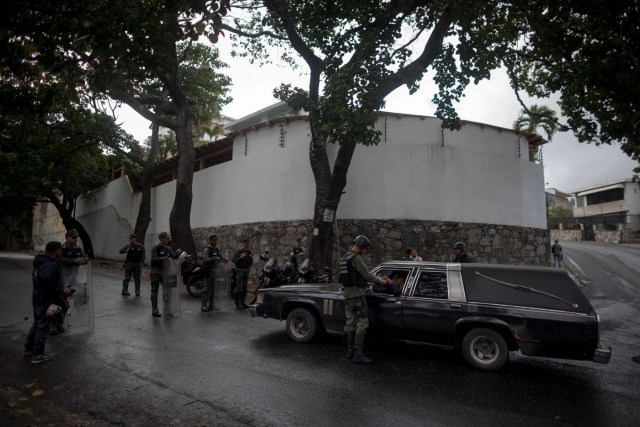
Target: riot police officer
{"points": [[354, 275], [243, 261], [159, 253], [72, 258], [132, 264], [210, 257]]}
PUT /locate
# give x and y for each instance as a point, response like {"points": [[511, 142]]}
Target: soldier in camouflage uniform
{"points": [[159, 253], [243, 261], [72, 258], [210, 257], [354, 275], [132, 264]]}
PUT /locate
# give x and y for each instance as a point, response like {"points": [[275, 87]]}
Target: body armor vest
{"points": [[347, 275]]}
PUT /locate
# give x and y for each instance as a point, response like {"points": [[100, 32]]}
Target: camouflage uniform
{"points": [[158, 253], [210, 258], [132, 266]]}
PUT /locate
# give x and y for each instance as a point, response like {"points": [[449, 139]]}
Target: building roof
{"points": [[601, 187]]}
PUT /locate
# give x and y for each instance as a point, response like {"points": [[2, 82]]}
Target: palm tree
{"points": [[538, 117]]}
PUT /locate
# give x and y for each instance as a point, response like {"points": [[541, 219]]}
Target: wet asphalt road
{"points": [[225, 368]]}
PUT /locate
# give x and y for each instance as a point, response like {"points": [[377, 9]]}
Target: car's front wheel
{"points": [[484, 349], [302, 325]]}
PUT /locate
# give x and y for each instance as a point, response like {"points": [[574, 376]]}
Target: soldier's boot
{"points": [[359, 356], [125, 288], [206, 300], [137, 288], [350, 337], [154, 305]]}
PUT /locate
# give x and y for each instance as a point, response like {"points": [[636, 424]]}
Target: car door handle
{"points": [[392, 300], [456, 306]]}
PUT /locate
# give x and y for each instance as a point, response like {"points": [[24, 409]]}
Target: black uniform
{"points": [[47, 290]]}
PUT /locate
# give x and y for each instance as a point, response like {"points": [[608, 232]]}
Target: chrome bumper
{"points": [[602, 355]]}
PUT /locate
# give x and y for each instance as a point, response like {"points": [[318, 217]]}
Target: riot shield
{"points": [[170, 289], [79, 316]]}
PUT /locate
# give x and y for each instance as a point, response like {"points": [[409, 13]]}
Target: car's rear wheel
{"points": [[302, 325], [484, 349]]}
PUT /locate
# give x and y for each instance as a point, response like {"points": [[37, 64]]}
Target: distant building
{"points": [[607, 212], [557, 199], [609, 206]]}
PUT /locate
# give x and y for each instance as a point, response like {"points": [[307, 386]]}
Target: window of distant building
{"points": [[605, 196]]}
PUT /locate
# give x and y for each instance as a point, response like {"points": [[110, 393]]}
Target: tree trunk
{"points": [[180, 216], [326, 206], [144, 212], [65, 210]]}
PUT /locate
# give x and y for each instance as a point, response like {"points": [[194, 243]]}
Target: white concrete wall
{"points": [[479, 175], [476, 176]]}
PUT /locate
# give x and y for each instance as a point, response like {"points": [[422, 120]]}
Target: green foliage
{"points": [[51, 149], [538, 117], [586, 52], [560, 213]]}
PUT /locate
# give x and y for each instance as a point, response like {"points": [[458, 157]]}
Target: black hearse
{"points": [[482, 310]]}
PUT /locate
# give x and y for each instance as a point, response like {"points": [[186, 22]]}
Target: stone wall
{"points": [[609, 236], [433, 240], [572, 235]]}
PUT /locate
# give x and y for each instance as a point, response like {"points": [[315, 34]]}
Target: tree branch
{"points": [[252, 35], [141, 109]]}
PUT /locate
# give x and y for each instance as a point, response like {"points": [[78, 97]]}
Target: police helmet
{"points": [[362, 241], [459, 245]]}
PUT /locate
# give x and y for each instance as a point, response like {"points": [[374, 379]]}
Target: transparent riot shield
{"points": [[170, 289], [79, 316]]}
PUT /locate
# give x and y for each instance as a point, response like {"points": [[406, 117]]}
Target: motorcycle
{"points": [[270, 277], [192, 276], [307, 274]]}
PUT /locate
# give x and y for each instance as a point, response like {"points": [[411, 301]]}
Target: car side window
{"points": [[431, 284], [398, 278]]}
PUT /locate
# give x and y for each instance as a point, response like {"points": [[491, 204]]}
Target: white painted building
{"points": [[620, 197], [481, 174]]}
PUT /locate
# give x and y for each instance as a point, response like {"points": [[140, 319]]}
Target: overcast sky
{"points": [[568, 164]]}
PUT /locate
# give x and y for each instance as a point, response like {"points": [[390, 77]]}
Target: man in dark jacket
{"points": [[47, 291]]}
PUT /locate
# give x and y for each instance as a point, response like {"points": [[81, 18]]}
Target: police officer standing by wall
{"points": [[354, 275], [210, 257], [243, 261], [460, 254], [159, 253], [132, 264]]}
